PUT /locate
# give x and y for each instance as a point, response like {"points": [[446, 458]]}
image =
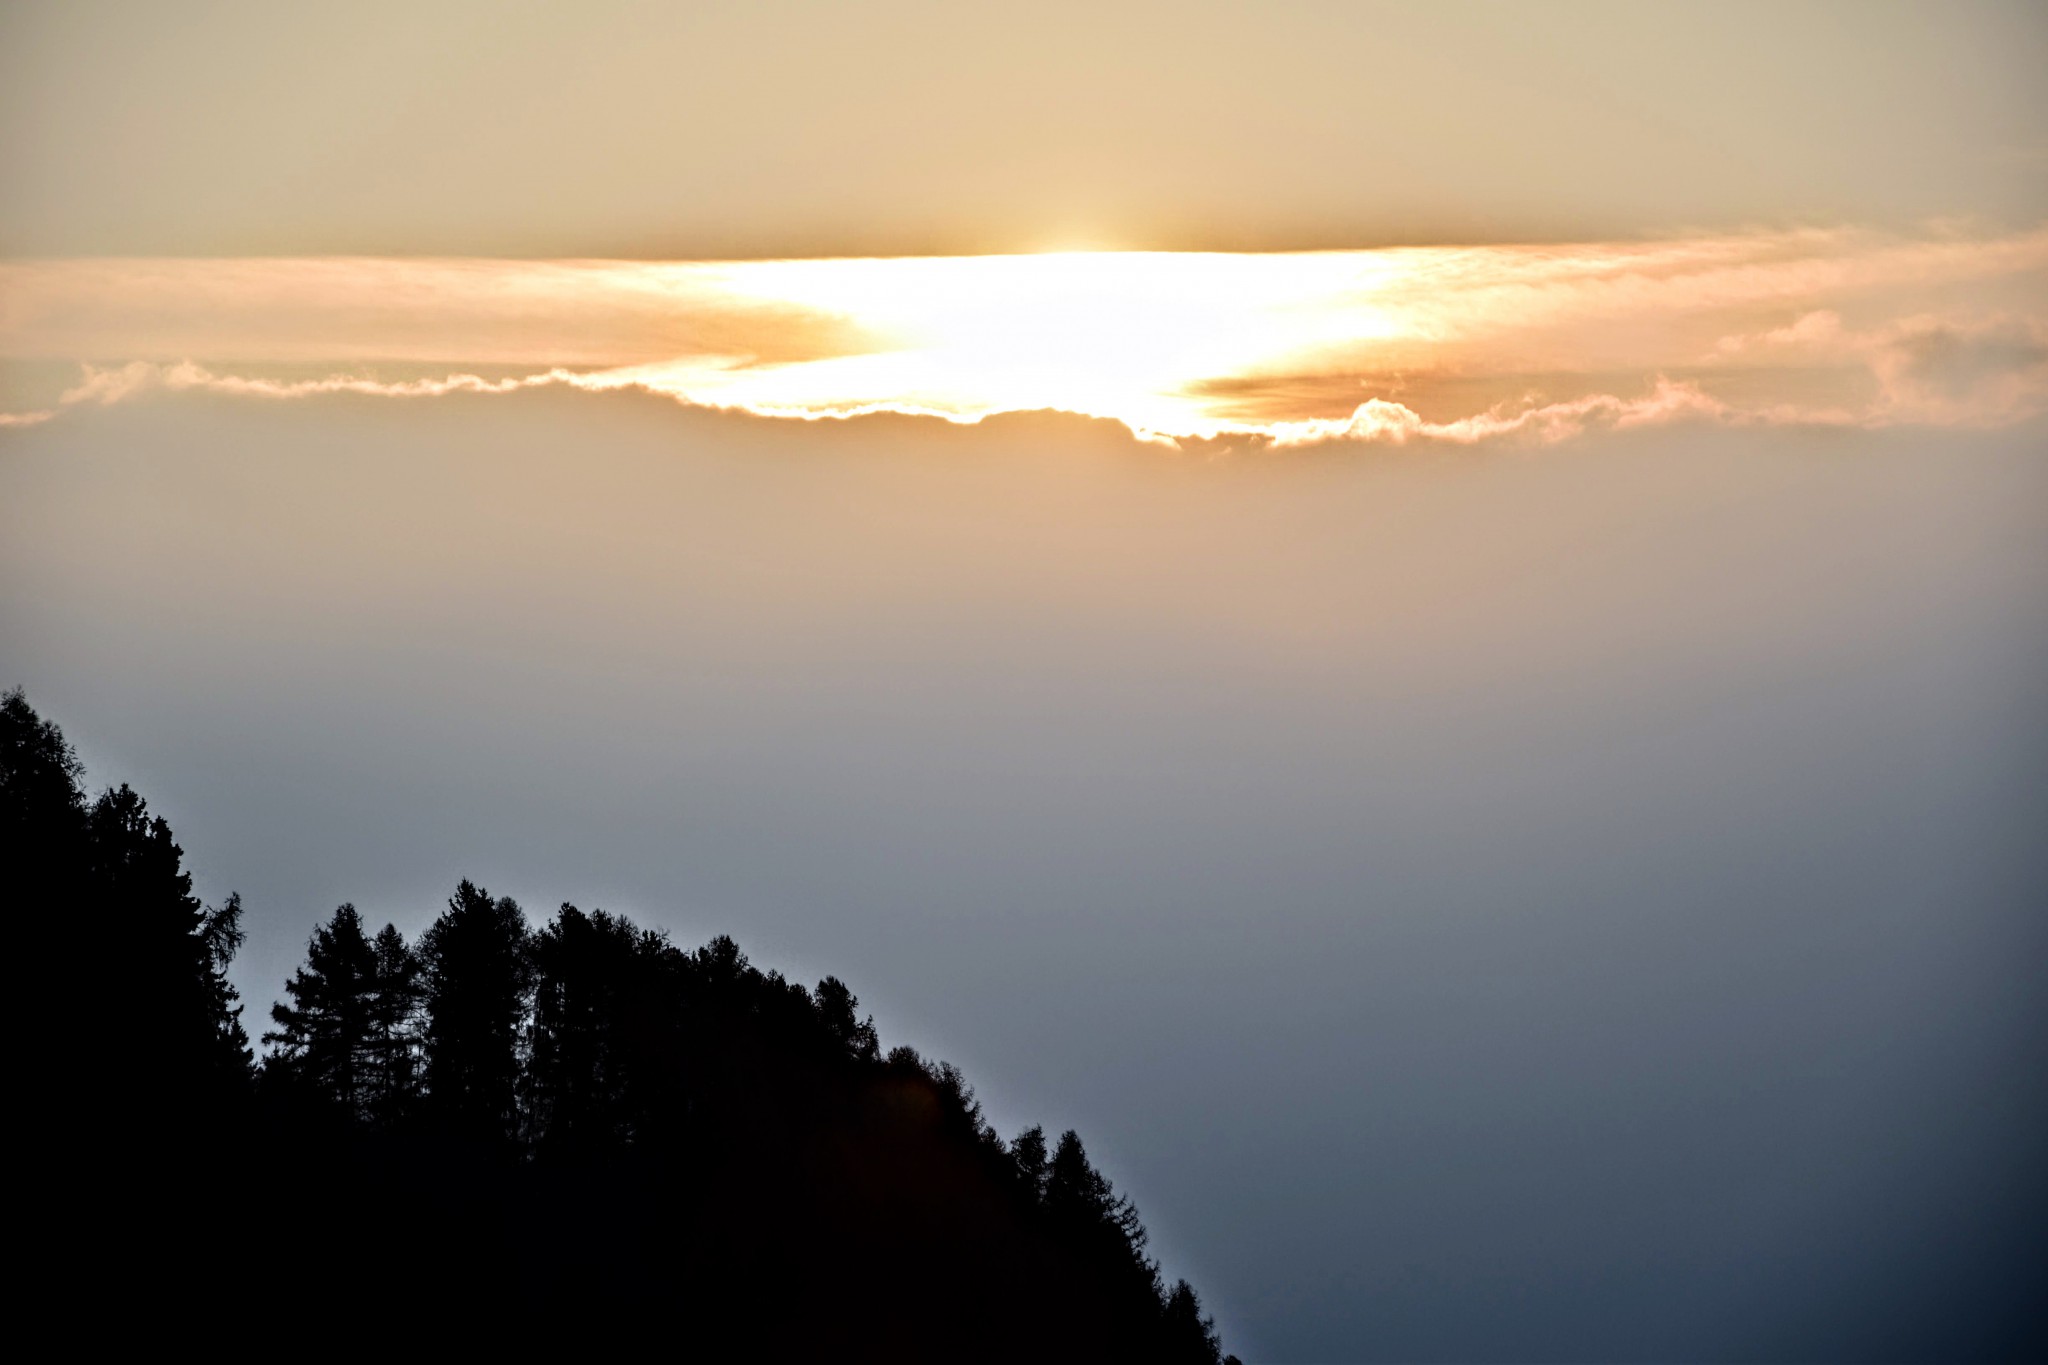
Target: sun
{"points": [[1129, 335]]}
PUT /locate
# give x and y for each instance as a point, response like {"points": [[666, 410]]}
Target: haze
{"points": [[1572, 903]]}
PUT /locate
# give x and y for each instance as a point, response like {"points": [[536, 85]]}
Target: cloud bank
{"points": [[1426, 344]]}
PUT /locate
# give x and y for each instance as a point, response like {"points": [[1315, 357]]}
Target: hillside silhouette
{"points": [[507, 1136]]}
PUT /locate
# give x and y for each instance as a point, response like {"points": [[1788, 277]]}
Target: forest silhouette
{"points": [[577, 1136]]}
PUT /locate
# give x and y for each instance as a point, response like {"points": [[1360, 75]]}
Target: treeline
{"points": [[571, 1136]]}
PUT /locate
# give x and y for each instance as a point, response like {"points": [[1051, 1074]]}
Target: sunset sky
{"points": [[1429, 620], [1814, 328]]}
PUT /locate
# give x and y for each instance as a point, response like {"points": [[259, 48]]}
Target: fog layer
{"points": [[1572, 902]]}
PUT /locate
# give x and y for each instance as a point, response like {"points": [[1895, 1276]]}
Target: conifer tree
{"points": [[42, 830], [393, 1069], [181, 1038], [585, 970], [1186, 1334], [1028, 1153], [41, 808], [324, 1038], [169, 1025], [477, 980], [839, 1010], [221, 932], [1102, 1233]]}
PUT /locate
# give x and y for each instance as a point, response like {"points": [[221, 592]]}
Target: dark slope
{"points": [[579, 1137]]}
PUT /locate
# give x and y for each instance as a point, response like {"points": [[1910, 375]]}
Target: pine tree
{"points": [[1187, 1336], [324, 1040], [1028, 1153], [139, 1132], [393, 1067], [221, 932], [180, 1038], [41, 808], [585, 970], [477, 979], [42, 844], [169, 1022], [1101, 1233], [839, 1010]]}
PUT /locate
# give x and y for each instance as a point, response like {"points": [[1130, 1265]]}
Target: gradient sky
{"points": [[704, 132], [1489, 756]]}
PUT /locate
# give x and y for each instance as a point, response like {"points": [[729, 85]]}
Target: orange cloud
{"points": [[1452, 344]]}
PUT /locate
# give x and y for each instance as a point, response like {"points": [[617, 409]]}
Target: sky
{"points": [[1809, 327], [706, 132], [1429, 621]]}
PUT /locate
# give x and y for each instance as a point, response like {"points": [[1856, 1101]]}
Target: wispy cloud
{"points": [[1972, 370], [1453, 344]]}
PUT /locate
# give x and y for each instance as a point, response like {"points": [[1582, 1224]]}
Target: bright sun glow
{"points": [[1118, 335], [1456, 343]]}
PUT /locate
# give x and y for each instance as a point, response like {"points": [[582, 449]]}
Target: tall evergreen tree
{"points": [[1028, 1154], [1187, 1335], [42, 833], [323, 1042], [41, 808], [477, 978], [43, 849], [145, 1117], [839, 1011], [393, 1069], [175, 1009], [1101, 1233], [221, 932], [585, 969]]}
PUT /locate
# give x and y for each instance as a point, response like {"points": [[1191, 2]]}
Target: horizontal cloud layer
{"points": [[1431, 343]]}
